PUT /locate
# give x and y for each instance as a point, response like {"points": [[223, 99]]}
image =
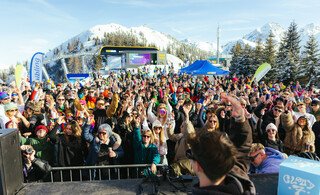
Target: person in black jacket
{"points": [[272, 140], [271, 116], [34, 169]]}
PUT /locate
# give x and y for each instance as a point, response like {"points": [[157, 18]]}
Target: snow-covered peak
{"points": [[228, 47], [263, 33], [310, 29]]}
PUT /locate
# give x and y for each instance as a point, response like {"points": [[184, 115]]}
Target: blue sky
{"points": [[29, 26]]}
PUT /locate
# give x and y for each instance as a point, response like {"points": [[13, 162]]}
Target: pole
{"points": [[218, 31]]}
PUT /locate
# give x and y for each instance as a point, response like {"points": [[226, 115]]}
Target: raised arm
{"points": [[85, 132], [113, 106], [151, 116]]}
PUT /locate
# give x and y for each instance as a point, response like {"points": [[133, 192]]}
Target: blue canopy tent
{"points": [[204, 67], [194, 66]]}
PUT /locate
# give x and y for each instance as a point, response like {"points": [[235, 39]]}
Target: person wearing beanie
{"points": [[10, 110], [272, 140], [41, 143]]}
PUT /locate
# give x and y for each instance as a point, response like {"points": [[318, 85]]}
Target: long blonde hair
{"points": [[161, 135], [148, 132]]}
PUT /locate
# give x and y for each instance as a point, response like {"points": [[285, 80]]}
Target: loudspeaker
{"points": [[11, 175]]}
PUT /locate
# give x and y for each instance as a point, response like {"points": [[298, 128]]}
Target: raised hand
{"points": [[237, 110]]}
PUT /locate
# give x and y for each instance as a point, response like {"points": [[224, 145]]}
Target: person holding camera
{"points": [[34, 169]]}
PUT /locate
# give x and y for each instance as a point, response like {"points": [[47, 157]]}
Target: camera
{"points": [[28, 151]]}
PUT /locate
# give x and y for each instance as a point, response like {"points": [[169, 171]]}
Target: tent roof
{"points": [[203, 67], [194, 66]]}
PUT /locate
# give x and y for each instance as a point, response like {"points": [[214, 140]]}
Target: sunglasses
{"points": [[103, 133], [157, 128], [146, 136], [252, 158], [12, 110], [100, 104], [162, 111], [278, 110], [271, 130]]}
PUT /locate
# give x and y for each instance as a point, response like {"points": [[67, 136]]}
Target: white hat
{"points": [[156, 123], [271, 126]]}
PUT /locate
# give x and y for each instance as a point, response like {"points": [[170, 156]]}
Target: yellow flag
{"points": [[18, 74]]}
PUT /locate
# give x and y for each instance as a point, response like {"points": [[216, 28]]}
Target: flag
{"points": [[261, 71], [36, 67], [18, 73]]}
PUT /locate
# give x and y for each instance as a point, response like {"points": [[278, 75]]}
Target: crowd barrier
{"points": [[104, 172]]}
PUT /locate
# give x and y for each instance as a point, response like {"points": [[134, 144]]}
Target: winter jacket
{"points": [[316, 130], [98, 150], [69, 151], [43, 147], [272, 163], [38, 170], [296, 139], [268, 118], [277, 145], [143, 154]]}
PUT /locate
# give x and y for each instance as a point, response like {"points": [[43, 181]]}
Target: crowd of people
{"points": [[126, 118]]}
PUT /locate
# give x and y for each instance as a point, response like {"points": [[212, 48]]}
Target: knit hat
{"points": [[41, 127], [3, 95], [10, 106], [156, 123], [315, 102], [271, 126]]}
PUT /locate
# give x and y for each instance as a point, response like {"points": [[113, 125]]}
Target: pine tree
{"points": [[310, 65], [236, 53], [278, 70], [246, 67], [258, 55], [293, 53], [269, 55], [288, 59]]}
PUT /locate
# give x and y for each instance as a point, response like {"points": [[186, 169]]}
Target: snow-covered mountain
{"points": [[162, 41], [278, 32]]}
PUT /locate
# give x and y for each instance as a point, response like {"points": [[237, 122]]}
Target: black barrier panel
{"points": [[11, 176]]}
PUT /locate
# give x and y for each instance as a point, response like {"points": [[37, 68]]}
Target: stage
{"points": [[265, 185]]}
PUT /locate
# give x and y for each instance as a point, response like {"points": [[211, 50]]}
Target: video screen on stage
{"points": [[114, 62], [139, 59]]}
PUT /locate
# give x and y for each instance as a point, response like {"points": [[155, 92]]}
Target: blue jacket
{"points": [[272, 163], [142, 154], [95, 145]]}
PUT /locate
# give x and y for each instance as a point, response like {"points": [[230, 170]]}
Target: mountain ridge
{"points": [[163, 40]]}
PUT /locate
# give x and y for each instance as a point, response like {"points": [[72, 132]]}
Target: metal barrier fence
{"points": [[93, 173]]}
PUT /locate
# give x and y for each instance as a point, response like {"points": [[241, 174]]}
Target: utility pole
{"points": [[218, 34]]}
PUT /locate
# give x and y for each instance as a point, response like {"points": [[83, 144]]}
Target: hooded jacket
{"points": [[272, 163], [296, 138]]}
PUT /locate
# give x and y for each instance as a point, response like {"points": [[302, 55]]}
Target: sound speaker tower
{"points": [[11, 176]]}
